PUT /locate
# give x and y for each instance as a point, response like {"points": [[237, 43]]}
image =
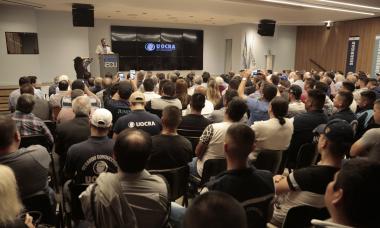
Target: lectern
{"points": [[109, 64]]}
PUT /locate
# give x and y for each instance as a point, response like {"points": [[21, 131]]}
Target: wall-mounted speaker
{"points": [[266, 27], [83, 15]]}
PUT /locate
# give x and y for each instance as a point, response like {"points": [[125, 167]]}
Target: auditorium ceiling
{"points": [[219, 12]]}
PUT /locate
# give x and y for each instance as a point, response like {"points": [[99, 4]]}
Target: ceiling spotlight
{"points": [[329, 24]]}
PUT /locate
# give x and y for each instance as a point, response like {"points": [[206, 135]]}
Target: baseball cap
{"points": [[63, 78], [137, 97], [337, 131], [101, 118]]}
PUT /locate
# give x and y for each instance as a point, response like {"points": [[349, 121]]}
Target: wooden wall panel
{"points": [[329, 47]]}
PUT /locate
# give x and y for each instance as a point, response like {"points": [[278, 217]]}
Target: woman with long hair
{"points": [[213, 93], [181, 92], [10, 204], [275, 133]]}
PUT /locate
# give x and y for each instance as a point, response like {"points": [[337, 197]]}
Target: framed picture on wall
{"points": [[22, 43]]}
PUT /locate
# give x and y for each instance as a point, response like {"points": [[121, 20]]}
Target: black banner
{"points": [[352, 53]]}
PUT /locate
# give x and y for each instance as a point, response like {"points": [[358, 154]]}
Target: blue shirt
{"points": [[258, 110]]}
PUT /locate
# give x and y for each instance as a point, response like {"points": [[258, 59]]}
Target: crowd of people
{"points": [[110, 133]]}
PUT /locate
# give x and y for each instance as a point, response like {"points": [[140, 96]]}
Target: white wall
{"points": [[213, 43], [60, 43], [13, 66]]}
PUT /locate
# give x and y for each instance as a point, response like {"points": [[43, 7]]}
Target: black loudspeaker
{"points": [[83, 15], [266, 27]]}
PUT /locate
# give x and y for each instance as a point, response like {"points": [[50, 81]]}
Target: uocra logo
{"points": [[150, 46]]}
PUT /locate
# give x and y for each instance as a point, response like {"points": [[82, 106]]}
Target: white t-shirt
{"points": [[213, 137], [271, 135], [150, 95], [100, 50]]}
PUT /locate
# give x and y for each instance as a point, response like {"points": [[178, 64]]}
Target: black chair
{"points": [[192, 135], [307, 155], [75, 204], [178, 181], [268, 160], [302, 215], [42, 204], [29, 140], [211, 168], [259, 210]]}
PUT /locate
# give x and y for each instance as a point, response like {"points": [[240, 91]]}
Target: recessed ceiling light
{"points": [[117, 11], [317, 7], [191, 16], [108, 16], [132, 15], [144, 13], [211, 18], [350, 4]]}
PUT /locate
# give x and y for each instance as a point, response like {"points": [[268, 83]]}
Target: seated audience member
{"points": [[269, 132], [138, 118], [66, 113], [258, 107], [27, 123], [296, 106], [79, 84], [156, 105], [308, 85], [181, 92], [55, 100], [87, 159], [304, 124], [328, 107], [373, 85], [41, 109], [213, 94], [208, 108], [362, 84], [149, 89], [342, 103], [215, 209], [205, 77], [195, 120], [169, 149], [351, 197], [197, 81], [10, 203], [369, 144], [217, 116], [54, 87], [104, 93], [132, 187], [119, 104], [348, 86], [211, 142], [73, 131], [307, 186], [37, 92], [242, 181], [30, 165], [15, 94], [97, 85], [298, 79], [365, 112]]}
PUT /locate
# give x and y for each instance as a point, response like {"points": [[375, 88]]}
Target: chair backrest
{"points": [[75, 204], [259, 210], [211, 168], [268, 160], [42, 204], [307, 155], [192, 135], [177, 179], [27, 141], [302, 215]]}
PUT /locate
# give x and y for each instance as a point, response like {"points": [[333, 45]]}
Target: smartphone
{"points": [[132, 74], [254, 73], [121, 76]]}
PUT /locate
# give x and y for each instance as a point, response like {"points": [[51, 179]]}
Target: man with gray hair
{"points": [[75, 130], [27, 123]]}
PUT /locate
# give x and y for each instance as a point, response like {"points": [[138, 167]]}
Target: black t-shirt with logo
{"points": [[118, 108], [139, 119], [86, 160]]}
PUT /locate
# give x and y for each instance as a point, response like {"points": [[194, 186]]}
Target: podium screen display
{"points": [[145, 48]]}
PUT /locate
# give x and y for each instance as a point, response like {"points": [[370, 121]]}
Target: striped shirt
{"points": [[29, 124]]}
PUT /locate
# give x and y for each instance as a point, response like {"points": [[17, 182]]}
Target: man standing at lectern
{"points": [[103, 48]]}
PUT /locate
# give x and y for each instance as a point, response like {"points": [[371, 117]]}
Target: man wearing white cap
{"points": [[87, 159]]}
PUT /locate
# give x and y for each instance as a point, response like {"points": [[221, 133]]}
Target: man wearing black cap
{"points": [[307, 186]]}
